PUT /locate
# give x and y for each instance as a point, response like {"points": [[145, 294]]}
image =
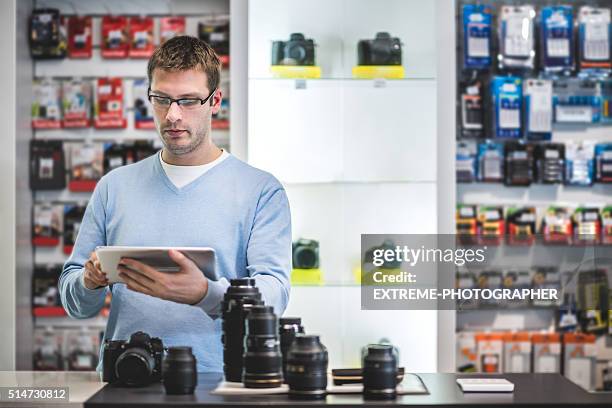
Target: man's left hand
{"points": [[188, 285]]}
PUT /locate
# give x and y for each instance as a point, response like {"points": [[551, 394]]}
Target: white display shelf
{"points": [[506, 319], [336, 130], [69, 322], [536, 194]]}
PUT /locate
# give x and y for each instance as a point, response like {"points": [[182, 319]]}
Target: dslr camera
{"points": [[133, 363], [305, 254], [382, 50], [297, 51]]}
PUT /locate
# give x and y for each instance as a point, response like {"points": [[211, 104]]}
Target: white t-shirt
{"points": [[183, 175]]}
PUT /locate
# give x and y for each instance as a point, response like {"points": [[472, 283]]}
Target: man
{"points": [[191, 193]]}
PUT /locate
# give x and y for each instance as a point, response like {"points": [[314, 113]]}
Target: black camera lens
{"points": [[288, 327], [307, 368], [135, 367], [179, 368], [379, 372], [262, 359], [237, 301]]}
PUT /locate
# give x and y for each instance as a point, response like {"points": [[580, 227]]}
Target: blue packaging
{"points": [[579, 163], [603, 163], [507, 102], [490, 162], [577, 101], [606, 101], [466, 161], [556, 38], [476, 36]]}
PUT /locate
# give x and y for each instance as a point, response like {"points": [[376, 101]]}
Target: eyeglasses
{"points": [[164, 102]]}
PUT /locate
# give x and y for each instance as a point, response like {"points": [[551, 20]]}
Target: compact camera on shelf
{"points": [[297, 51], [382, 50]]}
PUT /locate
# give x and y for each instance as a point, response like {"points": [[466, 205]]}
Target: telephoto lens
{"points": [[237, 301], [307, 368], [262, 359], [379, 372], [179, 371], [288, 327]]}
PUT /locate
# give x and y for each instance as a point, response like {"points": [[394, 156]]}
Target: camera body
{"points": [[305, 254], [382, 50], [133, 363], [297, 51]]}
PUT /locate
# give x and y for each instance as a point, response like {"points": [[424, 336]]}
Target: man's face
{"points": [[183, 129]]}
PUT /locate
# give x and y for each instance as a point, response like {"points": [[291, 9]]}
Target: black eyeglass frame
{"points": [[172, 100]]}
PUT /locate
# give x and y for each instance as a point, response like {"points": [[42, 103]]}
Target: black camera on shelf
{"points": [[305, 254], [297, 51], [133, 363], [382, 50]]}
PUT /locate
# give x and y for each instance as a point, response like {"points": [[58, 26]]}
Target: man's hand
{"points": [[93, 277], [188, 285]]}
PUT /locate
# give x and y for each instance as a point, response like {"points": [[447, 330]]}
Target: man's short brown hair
{"points": [[183, 53]]}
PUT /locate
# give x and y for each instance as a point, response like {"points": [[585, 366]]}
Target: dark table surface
{"points": [[530, 390]]}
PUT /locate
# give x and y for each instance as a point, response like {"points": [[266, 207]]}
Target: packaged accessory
{"points": [[115, 42], [587, 225], [47, 35], [492, 280], [606, 100], [46, 112], [141, 37], [73, 216], [516, 37], [467, 354], [538, 109], [603, 163], [606, 225], [594, 34], [143, 112], [47, 350], [215, 31], [490, 162], [220, 120], [47, 165], [466, 161], [567, 317], [472, 109], [521, 225], [550, 163], [45, 294], [466, 220], [491, 224], [86, 166], [517, 352], [108, 107], [476, 36], [546, 352], [593, 301], [490, 352], [76, 101], [79, 36], [516, 280], [519, 164], [115, 155], [557, 40], [82, 349], [139, 150], [546, 277], [466, 280], [170, 27], [576, 101], [579, 163], [557, 227], [47, 226], [579, 359], [506, 93]]}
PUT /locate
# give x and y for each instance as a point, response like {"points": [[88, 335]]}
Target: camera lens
{"points": [[179, 368], [262, 359], [379, 372], [288, 327], [307, 368], [237, 301], [134, 367]]}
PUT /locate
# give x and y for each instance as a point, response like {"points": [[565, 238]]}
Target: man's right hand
{"points": [[93, 276]]}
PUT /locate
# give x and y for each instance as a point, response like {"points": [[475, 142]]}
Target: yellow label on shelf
{"points": [[378, 71], [296, 71], [307, 277]]}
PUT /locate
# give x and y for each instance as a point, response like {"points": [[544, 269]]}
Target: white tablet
{"points": [[156, 257]]}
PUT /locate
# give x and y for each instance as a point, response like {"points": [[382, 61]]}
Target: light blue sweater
{"points": [[238, 210]]}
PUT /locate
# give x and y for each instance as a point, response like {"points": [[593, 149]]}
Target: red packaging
{"points": [[79, 37], [141, 37], [108, 109], [171, 27], [114, 37]]}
